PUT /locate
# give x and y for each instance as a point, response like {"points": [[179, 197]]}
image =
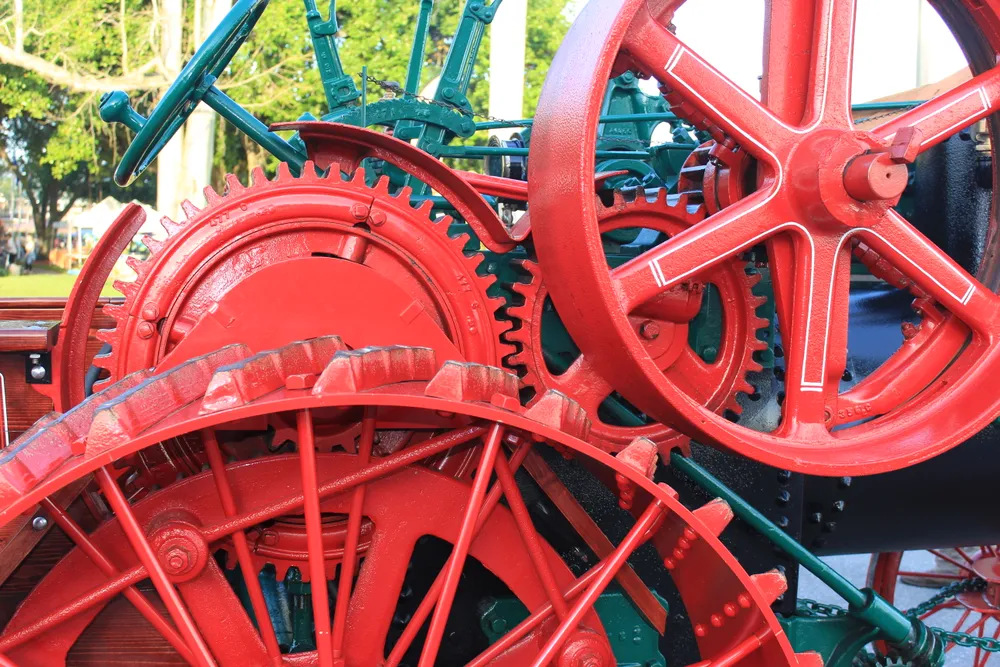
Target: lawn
{"points": [[43, 283]]}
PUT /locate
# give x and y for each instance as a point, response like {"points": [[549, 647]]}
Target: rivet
{"points": [[145, 330]]}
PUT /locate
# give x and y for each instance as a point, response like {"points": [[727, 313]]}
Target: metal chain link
{"points": [[812, 608]]}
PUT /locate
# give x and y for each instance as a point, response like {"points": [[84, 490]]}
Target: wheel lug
{"points": [[145, 330], [360, 211]]}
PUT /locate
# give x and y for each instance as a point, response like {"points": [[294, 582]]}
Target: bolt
{"points": [[378, 218], [39, 523], [145, 330], [38, 372], [649, 330], [844, 482], [783, 521], [784, 476], [150, 312], [177, 560], [783, 497], [269, 539], [709, 354], [838, 506], [909, 330], [816, 517], [830, 526], [360, 211]]}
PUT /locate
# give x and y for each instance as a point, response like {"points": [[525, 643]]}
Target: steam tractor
{"points": [[599, 403]]}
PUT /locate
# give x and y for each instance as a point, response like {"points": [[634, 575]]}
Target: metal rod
{"points": [[636, 536], [456, 562], [250, 574], [142, 605], [353, 536], [245, 122], [426, 606], [377, 470], [865, 604], [314, 537], [3, 401], [416, 63], [171, 598]]}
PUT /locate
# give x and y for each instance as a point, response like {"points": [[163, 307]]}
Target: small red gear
{"points": [[297, 257], [664, 327]]}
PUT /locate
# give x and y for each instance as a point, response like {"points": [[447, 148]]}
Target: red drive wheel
{"points": [[822, 186], [383, 501], [960, 586]]}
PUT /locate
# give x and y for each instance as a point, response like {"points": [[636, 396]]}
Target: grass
{"points": [[43, 282]]}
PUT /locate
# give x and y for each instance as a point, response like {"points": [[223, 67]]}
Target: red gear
{"points": [[237, 272], [716, 384]]}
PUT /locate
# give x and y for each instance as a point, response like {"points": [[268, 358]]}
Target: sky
{"points": [[729, 34]]}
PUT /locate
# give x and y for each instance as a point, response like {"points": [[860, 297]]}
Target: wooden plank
{"points": [[28, 336]]}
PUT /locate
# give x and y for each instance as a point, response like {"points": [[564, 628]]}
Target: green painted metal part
{"points": [[633, 641], [838, 639], [911, 637], [337, 85]]}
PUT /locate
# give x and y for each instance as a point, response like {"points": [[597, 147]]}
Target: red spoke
{"points": [[377, 470], [434, 592], [529, 535], [453, 568], [85, 602], [137, 538], [250, 574], [958, 625], [932, 270], [786, 73], [833, 56], [943, 116], [142, 605], [740, 651], [686, 255], [351, 540], [816, 337], [314, 537], [662, 55], [953, 561], [988, 655], [639, 533]]}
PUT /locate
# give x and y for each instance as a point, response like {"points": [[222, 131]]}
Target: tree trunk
{"points": [[170, 162], [199, 131]]}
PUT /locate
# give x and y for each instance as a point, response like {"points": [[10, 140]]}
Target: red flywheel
{"points": [[823, 186]]}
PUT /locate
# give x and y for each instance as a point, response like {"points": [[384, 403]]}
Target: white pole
{"points": [[507, 37]]}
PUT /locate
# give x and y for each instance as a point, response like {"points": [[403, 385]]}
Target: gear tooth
{"points": [[358, 178], [153, 245], [189, 209], [755, 367], [746, 388], [284, 173], [619, 199], [116, 310], [309, 171], [211, 196], [753, 278], [404, 194], [128, 290], [169, 226], [233, 185], [258, 178], [382, 185], [105, 335], [333, 173], [135, 264], [425, 208]]}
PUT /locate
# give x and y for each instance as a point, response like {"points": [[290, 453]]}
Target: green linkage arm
{"points": [[338, 86], [416, 63]]}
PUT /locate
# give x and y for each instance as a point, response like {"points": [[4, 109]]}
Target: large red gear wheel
{"points": [[821, 185], [171, 535], [716, 381], [284, 260]]}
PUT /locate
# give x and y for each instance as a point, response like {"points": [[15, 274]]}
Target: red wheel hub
{"points": [[821, 186]]}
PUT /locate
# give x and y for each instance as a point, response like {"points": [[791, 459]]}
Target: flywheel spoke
{"points": [[706, 244], [816, 337], [934, 271], [935, 120], [832, 52], [137, 538], [738, 115]]}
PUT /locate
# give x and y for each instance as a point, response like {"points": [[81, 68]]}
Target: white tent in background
{"points": [[93, 223]]}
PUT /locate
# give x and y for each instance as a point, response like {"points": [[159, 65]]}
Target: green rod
{"points": [[863, 603], [244, 121], [419, 47]]}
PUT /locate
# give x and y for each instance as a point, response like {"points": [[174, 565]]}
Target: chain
{"points": [[812, 608]]}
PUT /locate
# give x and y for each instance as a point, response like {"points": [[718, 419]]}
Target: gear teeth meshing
{"points": [[189, 209]]}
